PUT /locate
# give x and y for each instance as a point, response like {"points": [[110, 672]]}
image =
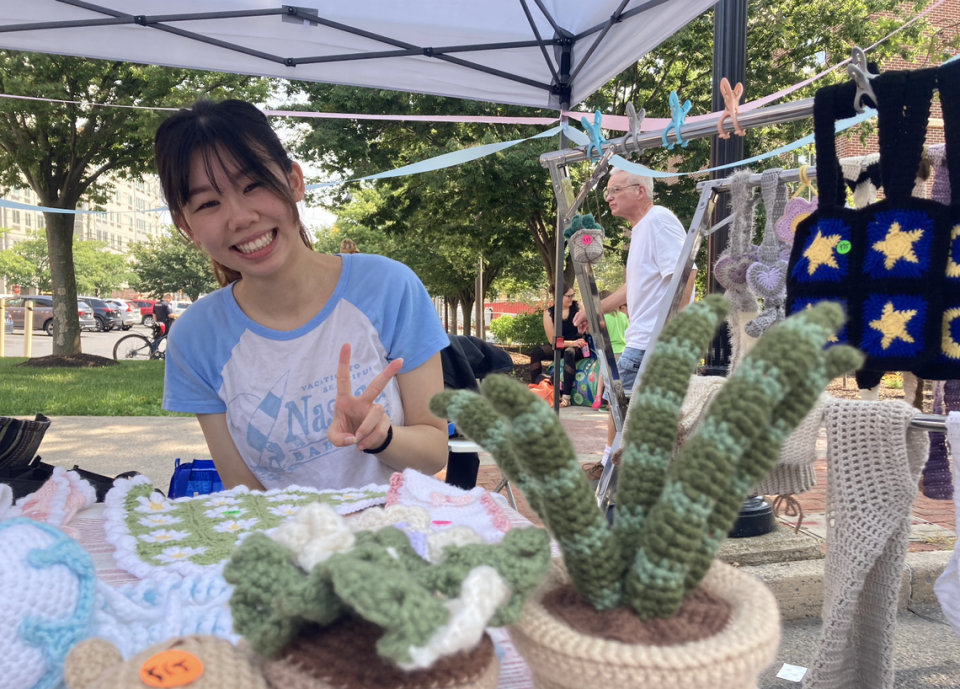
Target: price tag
{"points": [[844, 247], [792, 673], [169, 669]]}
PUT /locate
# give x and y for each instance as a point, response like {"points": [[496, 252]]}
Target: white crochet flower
{"points": [[284, 497], [164, 536], [375, 518], [178, 554], [220, 501], [153, 504], [235, 525], [456, 535], [314, 534], [160, 520], [285, 510], [349, 496], [482, 592], [225, 511]]}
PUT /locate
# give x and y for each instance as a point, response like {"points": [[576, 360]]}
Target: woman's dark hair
{"points": [[566, 287], [230, 129]]}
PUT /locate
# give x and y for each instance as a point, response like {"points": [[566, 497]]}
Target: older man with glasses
{"points": [[656, 238]]}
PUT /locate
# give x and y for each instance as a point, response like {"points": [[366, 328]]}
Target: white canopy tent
{"points": [[540, 53]]}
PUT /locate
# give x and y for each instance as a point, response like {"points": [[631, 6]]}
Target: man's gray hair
{"points": [[643, 181]]}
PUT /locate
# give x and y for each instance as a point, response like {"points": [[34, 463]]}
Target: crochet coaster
{"points": [[450, 506], [191, 536], [47, 582], [137, 616]]}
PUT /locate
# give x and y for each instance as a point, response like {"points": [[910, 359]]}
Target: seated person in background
{"points": [[572, 347], [305, 368]]}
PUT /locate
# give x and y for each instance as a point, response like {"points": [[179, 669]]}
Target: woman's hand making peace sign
{"points": [[359, 420]]}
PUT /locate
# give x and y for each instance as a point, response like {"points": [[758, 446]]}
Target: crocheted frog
{"points": [[678, 115], [595, 147]]}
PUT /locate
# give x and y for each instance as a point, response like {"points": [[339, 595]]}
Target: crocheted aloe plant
{"points": [[672, 512], [426, 609]]}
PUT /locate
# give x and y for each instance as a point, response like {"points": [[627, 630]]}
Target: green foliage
{"points": [[671, 515], [381, 579], [131, 388], [27, 263], [524, 329], [169, 263]]}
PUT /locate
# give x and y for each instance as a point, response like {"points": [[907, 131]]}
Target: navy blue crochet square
{"points": [[802, 304], [825, 255], [893, 326], [898, 244], [950, 341], [953, 261]]}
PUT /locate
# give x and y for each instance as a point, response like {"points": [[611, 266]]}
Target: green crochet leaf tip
{"points": [[581, 222]]}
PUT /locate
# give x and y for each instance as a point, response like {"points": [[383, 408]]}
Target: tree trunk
{"points": [[454, 320], [63, 279], [466, 299]]}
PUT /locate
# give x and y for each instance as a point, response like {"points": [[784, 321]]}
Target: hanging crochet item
{"points": [[862, 177], [890, 264], [767, 276], [734, 262], [947, 586], [797, 210], [941, 175], [585, 239], [595, 147], [48, 583], [731, 103], [936, 482], [678, 113]]}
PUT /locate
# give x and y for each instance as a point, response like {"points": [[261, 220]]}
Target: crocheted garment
{"points": [[448, 505], [47, 584], [136, 616], [947, 586], [56, 502], [767, 277], [941, 174], [193, 536], [936, 482], [874, 461]]}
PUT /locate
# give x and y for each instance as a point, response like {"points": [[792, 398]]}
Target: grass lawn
{"points": [[132, 388]]}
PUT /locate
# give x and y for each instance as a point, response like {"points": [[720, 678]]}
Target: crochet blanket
{"points": [[192, 536]]}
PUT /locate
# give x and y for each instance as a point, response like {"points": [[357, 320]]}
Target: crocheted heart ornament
{"points": [[797, 211], [732, 270], [769, 282], [191, 536]]}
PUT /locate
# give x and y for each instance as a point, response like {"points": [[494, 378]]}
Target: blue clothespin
{"points": [[678, 115], [596, 137]]}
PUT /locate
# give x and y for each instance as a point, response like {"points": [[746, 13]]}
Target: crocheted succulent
{"points": [[427, 609], [671, 516]]}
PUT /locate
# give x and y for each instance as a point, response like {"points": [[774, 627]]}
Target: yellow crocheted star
{"points": [[897, 245], [820, 252], [950, 346], [953, 269], [893, 324]]}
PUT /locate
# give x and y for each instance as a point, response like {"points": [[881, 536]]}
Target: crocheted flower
{"points": [[164, 536], [160, 520], [314, 534], [284, 497], [349, 496], [457, 535], [225, 511], [235, 525], [797, 211], [221, 501], [178, 554], [899, 243], [285, 510], [154, 503]]}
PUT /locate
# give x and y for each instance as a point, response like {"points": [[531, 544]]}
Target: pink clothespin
{"points": [[731, 101]]}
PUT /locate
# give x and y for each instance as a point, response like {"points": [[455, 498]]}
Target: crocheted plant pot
{"points": [[562, 658], [344, 656]]}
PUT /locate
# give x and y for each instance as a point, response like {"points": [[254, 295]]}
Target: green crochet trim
{"points": [[671, 517], [382, 579]]}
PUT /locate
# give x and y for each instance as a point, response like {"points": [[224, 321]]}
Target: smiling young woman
{"points": [[305, 368]]}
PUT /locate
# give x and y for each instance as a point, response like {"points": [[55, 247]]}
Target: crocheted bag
{"points": [[585, 238], [893, 265]]}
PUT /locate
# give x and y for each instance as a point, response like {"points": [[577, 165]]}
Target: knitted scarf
{"points": [[873, 464]]}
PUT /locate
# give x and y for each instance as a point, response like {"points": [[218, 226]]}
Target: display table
{"points": [[89, 526]]}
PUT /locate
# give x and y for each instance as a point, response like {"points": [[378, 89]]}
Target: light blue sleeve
{"points": [[397, 303], [198, 347]]}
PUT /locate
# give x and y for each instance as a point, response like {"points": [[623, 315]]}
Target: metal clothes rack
{"points": [[567, 206]]}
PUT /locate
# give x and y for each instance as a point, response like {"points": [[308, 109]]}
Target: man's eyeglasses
{"points": [[613, 191]]}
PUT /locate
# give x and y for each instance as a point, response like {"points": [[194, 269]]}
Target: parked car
{"points": [[43, 313], [107, 316], [178, 307], [129, 313], [146, 310]]}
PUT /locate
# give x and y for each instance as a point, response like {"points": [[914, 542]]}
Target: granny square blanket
{"points": [[155, 536]]}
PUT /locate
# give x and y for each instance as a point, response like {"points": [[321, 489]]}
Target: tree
{"points": [[788, 40], [63, 151], [168, 264], [99, 270], [27, 264]]}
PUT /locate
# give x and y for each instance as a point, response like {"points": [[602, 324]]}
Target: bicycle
{"points": [[136, 347]]}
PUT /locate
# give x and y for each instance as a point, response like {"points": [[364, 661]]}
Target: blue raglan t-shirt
{"points": [[278, 388]]}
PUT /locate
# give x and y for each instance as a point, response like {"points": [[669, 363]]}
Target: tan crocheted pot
{"points": [[561, 658], [343, 656]]}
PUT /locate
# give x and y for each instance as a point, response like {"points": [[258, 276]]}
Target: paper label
{"points": [[792, 673]]}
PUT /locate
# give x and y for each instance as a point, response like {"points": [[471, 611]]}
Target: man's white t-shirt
{"points": [[651, 261], [278, 388]]}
